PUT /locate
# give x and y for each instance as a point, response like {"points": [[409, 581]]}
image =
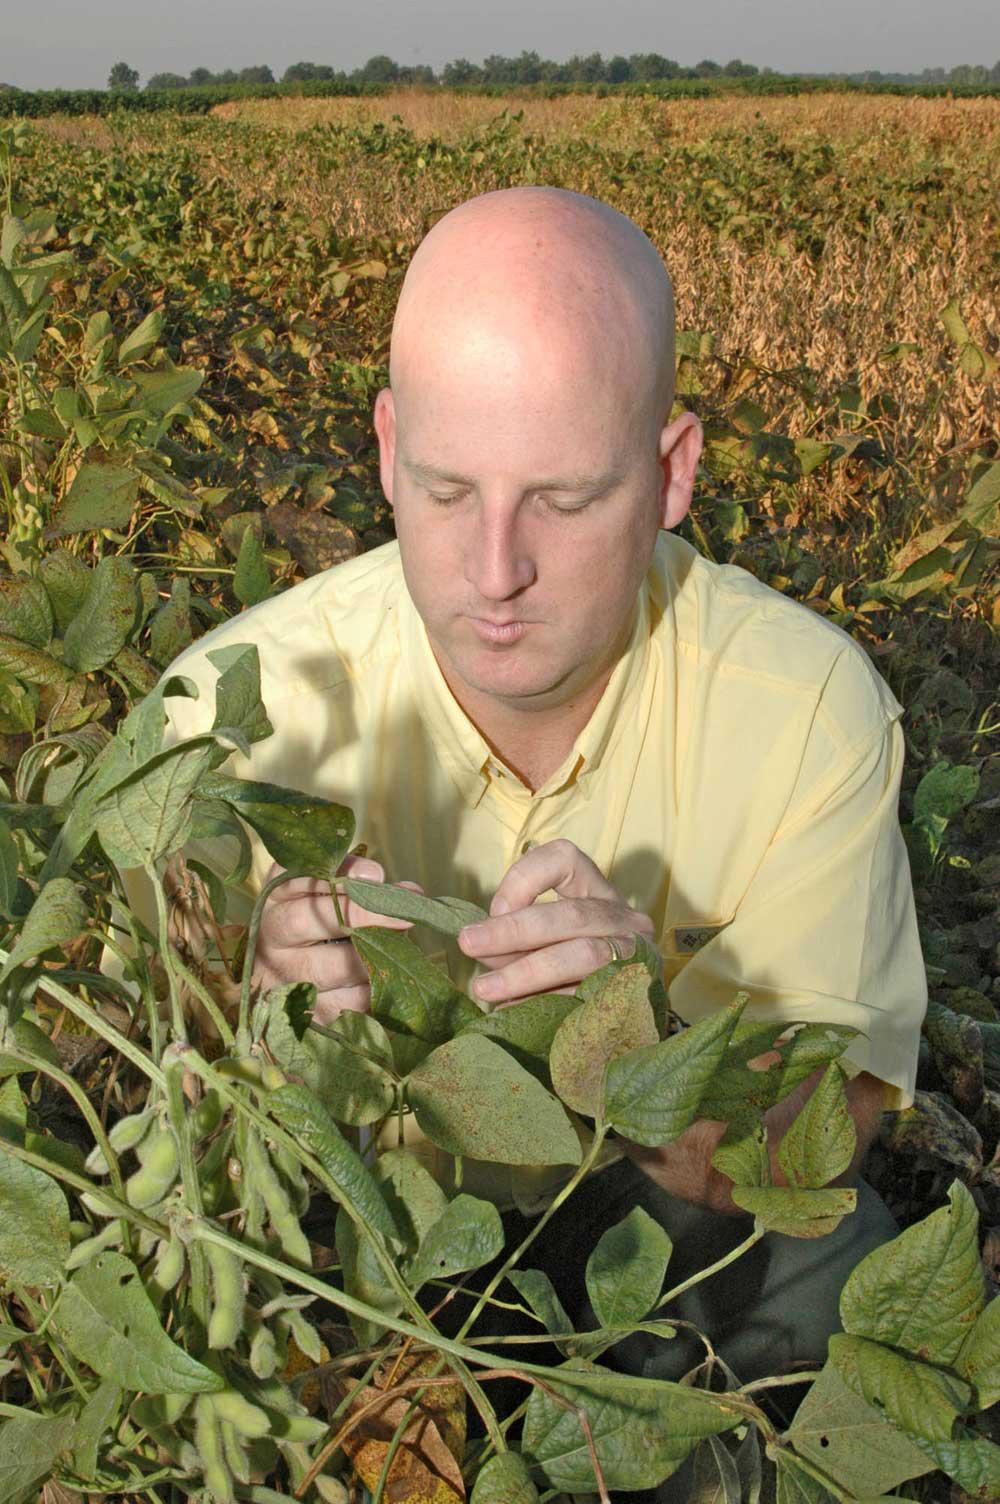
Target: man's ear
{"points": [[681, 443], [384, 419]]}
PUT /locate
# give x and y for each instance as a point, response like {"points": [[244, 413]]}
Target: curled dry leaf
{"points": [[426, 1467]]}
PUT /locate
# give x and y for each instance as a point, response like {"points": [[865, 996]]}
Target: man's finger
{"points": [[547, 970], [557, 866], [545, 924]]}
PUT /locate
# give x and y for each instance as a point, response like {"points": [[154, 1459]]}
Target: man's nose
{"points": [[499, 562]]}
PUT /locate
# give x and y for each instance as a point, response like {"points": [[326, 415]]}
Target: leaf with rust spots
{"points": [[617, 1019], [956, 1043], [470, 1097], [933, 1129], [315, 540]]}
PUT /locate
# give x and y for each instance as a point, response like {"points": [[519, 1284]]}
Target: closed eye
{"points": [[445, 501]]}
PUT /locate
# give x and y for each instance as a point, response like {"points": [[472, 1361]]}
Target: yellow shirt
{"points": [[738, 782]]}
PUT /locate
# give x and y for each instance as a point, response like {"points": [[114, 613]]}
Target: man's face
{"points": [[526, 587]]}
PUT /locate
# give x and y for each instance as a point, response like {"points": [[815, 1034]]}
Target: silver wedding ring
{"points": [[617, 954]]}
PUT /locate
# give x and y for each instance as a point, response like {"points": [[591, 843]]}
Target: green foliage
{"points": [[187, 432]]}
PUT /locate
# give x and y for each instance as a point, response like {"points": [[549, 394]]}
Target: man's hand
{"points": [[534, 947], [301, 939]]}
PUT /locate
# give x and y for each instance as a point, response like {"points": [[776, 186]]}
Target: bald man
{"points": [[541, 699]]}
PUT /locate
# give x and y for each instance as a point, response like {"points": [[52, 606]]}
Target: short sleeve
{"points": [[826, 931]]}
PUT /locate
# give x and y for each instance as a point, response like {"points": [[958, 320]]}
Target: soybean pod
{"points": [[208, 1440], [155, 1177], [248, 1419], [264, 1178], [263, 1353], [234, 1452], [294, 1176], [228, 1296], [168, 1268], [207, 1115]]}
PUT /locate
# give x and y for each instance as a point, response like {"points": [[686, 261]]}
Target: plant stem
{"points": [[246, 978], [181, 1124], [600, 1132], [93, 1123], [177, 1012], [729, 1258]]}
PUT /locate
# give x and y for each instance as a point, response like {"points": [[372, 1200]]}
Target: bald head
{"points": [[543, 286]]}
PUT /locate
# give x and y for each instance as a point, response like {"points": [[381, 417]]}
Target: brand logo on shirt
{"points": [[692, 937]]}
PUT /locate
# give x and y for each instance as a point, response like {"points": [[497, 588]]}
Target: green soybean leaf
{"points": [[306, 834], [108, 1321], [65, 578], [303, 1114], [448, 915], [820, 1142], [365, 1035], [34, 1224], [143, 339], [25, 611], [57, 916], [162, 391], [742, 1155], [534, 1286], [237, 690], [796, 1212], [364, 1277], [29, 1039], [252, 579], [33, 665], [471, 1098], [654, 1093], [942, 793], [838, 1431], [793, 1485], [615, 1020], [643, 1429], [505, 1479], [171, 629], [18, 706], [98, 1414], [9, 862], [149, 815], [408, 992], [626, 1269], [979, 1357], [104, 622], [972, 1461], [30, 1445], [13, 1113], [923, 1291], [467, 1235], [526, 1028], [737, 1093], [353, 1088], [100, 496], [921, 1400], [292, 1004], [414, 1197]]}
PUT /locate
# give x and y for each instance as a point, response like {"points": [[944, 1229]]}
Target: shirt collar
{"points": [[466, 754]]}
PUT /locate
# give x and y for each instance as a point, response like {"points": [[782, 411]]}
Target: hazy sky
{"points": [[72, 43]]}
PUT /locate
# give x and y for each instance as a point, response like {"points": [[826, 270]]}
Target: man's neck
{"points": [[532, 743]]}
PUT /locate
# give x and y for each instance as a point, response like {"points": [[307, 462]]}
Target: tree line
{"points": [[529, 68]]}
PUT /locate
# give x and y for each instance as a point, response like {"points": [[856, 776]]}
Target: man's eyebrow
{"points": [[574, 482]]}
